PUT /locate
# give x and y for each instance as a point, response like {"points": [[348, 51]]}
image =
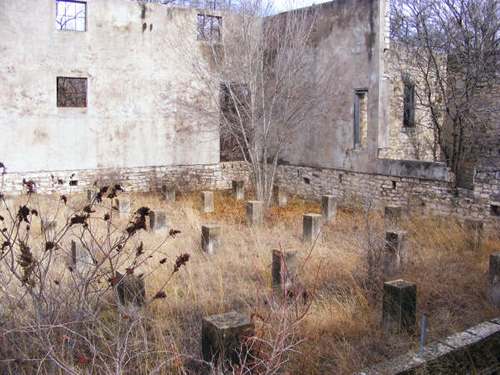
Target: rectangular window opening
{"points": [[360, 118], [495, 210], [234, 102], [71, 92], [209, 27], [71, 15], [408, 103]]}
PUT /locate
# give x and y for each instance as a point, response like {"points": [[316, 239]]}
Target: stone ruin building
{"points": [[96, 97]]}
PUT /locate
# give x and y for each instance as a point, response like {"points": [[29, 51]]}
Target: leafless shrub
{"points": [[60, 310]]}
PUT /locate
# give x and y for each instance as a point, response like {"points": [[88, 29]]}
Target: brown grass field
{"points": [[340, 331]]}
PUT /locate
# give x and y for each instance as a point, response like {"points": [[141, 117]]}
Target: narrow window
{"points": [[234, 114], [71, 15], [408, 103], [360, 118], [71, 92], [209, 27]]}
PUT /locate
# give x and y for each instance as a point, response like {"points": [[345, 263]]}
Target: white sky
{"points": [[282, 5]]}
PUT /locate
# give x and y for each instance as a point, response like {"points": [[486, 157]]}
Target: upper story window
{"points": [[209, 27], [408, 103], [71, 15], [71, 92]]}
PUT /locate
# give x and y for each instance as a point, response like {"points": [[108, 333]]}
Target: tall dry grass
{"points": [[340, 332]]}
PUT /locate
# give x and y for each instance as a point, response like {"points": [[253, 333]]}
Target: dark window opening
{"points": [[360, 118], [307, 181], [71, 92], [408, 104], [71, 15], [394, 184], [73, 183], [341, 177], [209, 27], [495, 210], [234, 102]]}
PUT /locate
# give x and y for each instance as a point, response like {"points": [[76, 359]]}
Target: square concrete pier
{"points": [[399, 310], [328, 208], [210, 238], [280, 196], [157, 220], [207, 202], [311, 227], [284, 270], [238, 189], [223, 338], [255, 212]]}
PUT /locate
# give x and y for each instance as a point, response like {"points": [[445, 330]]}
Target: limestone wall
{"points": [[423, 195], [410, 143], [142, 179], [432, 193]]}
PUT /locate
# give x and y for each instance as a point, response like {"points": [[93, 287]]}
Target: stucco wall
{"points": [[350, 44], [132, 118]]}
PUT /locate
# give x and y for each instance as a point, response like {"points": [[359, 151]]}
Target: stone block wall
{"points": [[186, 178], [487, 184], [419, 195], [411, 143], [434, 196]]}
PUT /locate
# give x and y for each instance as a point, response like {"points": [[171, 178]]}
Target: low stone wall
{"points": [[142, 179], [418, 195], [473, 351], [487, 183], [435, 196]]}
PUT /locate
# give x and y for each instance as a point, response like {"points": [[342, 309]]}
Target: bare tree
{"points": [[262, 81], [451, 47]]}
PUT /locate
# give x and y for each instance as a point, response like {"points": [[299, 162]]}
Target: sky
{"points": [[282, 5]]}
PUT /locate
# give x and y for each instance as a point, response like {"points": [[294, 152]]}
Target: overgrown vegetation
{"points": [[58, 318]]}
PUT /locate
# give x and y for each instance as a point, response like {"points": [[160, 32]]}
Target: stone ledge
{"points": [[475, 349]]}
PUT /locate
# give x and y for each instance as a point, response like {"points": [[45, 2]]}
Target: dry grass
{"points": [[341, 331]]}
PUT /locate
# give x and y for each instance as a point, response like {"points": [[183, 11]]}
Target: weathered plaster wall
{"points": [[132, 118], [350, 44]]}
